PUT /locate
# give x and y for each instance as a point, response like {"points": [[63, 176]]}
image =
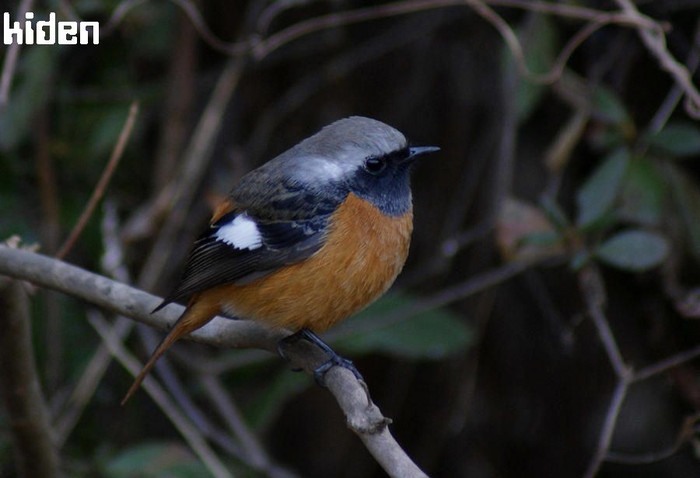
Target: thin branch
{"points": [[26, 411], [112, 264], [667, 364], [593, 291], [364, 419], [333, 20], [118, 15], [655, 41], [676, 93], [254, 452], [203, 29], [187, 429], [594, 294], [260, 48], [86, 386], [125, 300], [608, 429], [264, 47], [101, 186], [275, 9]]}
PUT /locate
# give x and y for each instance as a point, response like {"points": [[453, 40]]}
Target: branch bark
{"points": [[26, 410], [363, 417]]}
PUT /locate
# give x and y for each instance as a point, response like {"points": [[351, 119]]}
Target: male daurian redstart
{"points": [[307, 239]]}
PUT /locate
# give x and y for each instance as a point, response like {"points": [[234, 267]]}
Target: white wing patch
{"points": [[241, 233]]}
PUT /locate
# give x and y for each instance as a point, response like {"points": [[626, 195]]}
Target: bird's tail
{"points": [[191, 319]]}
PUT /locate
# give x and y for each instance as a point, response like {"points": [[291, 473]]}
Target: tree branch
{"points": [[101, 186], [363, 418], [26, 410]]}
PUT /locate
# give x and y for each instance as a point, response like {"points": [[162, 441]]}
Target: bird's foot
{"points": [[334, 358]]}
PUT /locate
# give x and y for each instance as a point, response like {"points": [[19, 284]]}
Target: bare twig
{"points": [[26, 411], [655, 41], [651, 32], [253, 451], [667, 364], [594, 294], [597, 20], [188, 431], [607, 429], [112, 264], [262, 47], [204, 31], [593, 291], [101, 186], [275, 9], [86, 386], [117, 15], [365, 420], [125, 300], [577, 12], [676, 93]]}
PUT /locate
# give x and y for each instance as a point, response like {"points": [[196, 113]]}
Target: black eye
{"points": [[375, 165]]}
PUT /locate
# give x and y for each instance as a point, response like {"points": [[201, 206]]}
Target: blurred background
{"points": [[564, 208]]}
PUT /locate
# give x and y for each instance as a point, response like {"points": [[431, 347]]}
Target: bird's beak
{"points": [[416, 151]]}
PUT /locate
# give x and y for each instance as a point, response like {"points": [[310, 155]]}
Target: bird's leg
{"points": [[335, 359]]}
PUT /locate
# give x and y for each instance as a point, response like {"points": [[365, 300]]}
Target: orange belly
{"points": [[364, 252]]}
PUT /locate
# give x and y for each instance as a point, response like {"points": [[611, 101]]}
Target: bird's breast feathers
{"points": [[363, 252]]}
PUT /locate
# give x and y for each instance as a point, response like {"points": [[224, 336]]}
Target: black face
{"points": [[384, 181]]}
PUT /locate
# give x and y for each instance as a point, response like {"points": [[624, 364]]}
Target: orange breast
{"points": [[364, 252]]}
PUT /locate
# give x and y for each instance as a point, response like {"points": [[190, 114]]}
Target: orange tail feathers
{"points": [[193, 318]]}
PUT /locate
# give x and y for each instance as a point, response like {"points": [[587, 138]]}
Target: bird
{"points": [[304, 241]]}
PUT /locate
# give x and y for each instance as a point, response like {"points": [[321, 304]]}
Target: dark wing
{"points": [[238, 248]]}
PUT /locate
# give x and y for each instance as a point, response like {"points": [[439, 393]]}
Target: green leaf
{"points": [[543, 239], [432, 334], [643, 193], [678, 140], [554, 213], [608, 106], [580, 259], [634, 250], [600, 190]]}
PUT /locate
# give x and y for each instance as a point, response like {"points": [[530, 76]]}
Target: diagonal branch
{"points": [[363, 418], [101, 186]]}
